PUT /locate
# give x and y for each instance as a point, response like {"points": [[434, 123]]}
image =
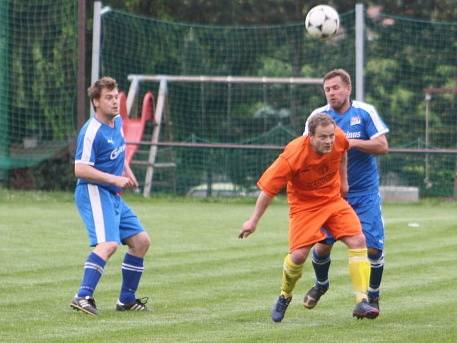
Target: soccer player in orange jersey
{"points": [[313, 167]]}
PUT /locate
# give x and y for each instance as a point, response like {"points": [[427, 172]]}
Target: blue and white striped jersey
{"points": [[360, 121], [102, 147]]}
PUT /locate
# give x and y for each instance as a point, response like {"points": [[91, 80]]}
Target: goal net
{"points": [[217, 134], [38, 67], [403, 57]]}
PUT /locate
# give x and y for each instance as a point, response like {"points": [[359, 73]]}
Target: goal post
{"points": [[242, 142], [188, 128]]}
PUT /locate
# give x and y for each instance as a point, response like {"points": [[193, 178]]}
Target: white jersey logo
{"points": [[116, 152], [355, 120], [350, 135]]}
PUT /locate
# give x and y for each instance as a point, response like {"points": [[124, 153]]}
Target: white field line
{"points": [[390, 220]]}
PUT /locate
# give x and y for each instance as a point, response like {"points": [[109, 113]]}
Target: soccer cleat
{"points": [[279, 309], [313, 296], [374, 302], [138, 305], [364, 310], [85, 304]]}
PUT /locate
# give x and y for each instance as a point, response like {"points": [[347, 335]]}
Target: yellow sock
{"points": [[290, 274], [359, 270]]}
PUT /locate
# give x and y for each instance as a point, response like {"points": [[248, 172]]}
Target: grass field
{"points": [[205, 285]]}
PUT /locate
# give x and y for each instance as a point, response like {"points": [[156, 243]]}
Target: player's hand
{"points": [[134, 181], [124, 182], [248, 227], [128, 173]]}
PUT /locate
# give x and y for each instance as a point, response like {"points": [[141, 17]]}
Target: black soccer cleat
{"points": [[374, 302], [138, 305], [84, 304], [313, 296], [279, 309], [364, 310]]}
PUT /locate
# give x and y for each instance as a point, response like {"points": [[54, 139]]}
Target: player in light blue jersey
{"points": [[366, 132], [101, 174]]}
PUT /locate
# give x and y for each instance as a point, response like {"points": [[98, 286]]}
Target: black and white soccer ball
{"points": [[322, 21]]}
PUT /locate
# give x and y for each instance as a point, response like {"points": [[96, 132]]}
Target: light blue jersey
{"points": [[102, 147], [360, 121], [106, 215]]}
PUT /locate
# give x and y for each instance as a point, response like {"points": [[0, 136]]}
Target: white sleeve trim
{"points": [[377, 121], [84, 162], [88, 140], [380, 133]]}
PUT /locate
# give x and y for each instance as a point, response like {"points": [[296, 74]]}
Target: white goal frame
{"points": [[163, 80]]}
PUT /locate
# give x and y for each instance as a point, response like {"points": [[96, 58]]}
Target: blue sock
{"points": [[377, 268], [132, 269], [93, 270], [321, 265]]}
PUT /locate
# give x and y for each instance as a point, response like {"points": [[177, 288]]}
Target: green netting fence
{"points": [[403, 57], [38, 64]]}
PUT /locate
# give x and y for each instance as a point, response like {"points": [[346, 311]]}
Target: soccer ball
{"points": [[322, 21]]}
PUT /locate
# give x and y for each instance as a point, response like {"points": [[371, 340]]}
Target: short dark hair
{"points": [[317, 119], [345, 77], [95, 91]]}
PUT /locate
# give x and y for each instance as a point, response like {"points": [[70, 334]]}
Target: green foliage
{"points": [[248, 12], [44, 66], [38, 95], [404, 56], [274, 67], [433, 174]]}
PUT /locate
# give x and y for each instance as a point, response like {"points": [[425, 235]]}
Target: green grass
{"points": [[205, 285]]}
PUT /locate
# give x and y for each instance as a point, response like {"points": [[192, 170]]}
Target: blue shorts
{"points": [[368, 209], [106, 215]]}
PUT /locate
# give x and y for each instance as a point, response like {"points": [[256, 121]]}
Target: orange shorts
{"points": [[337, 217]]}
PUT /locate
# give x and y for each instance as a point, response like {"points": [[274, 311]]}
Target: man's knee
{"points": [[299, 256], [376, 257], [105, 249], [322, 250], [139, 244], [355, 242]]}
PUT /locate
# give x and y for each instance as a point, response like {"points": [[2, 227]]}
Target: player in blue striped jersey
{"points": [[101, 174], [367, 138]]}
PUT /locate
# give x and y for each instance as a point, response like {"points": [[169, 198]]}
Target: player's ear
{"points": [[311, 138], [95, 103]]}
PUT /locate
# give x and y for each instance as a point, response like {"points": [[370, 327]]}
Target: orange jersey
{"points": [[312, 180]]}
